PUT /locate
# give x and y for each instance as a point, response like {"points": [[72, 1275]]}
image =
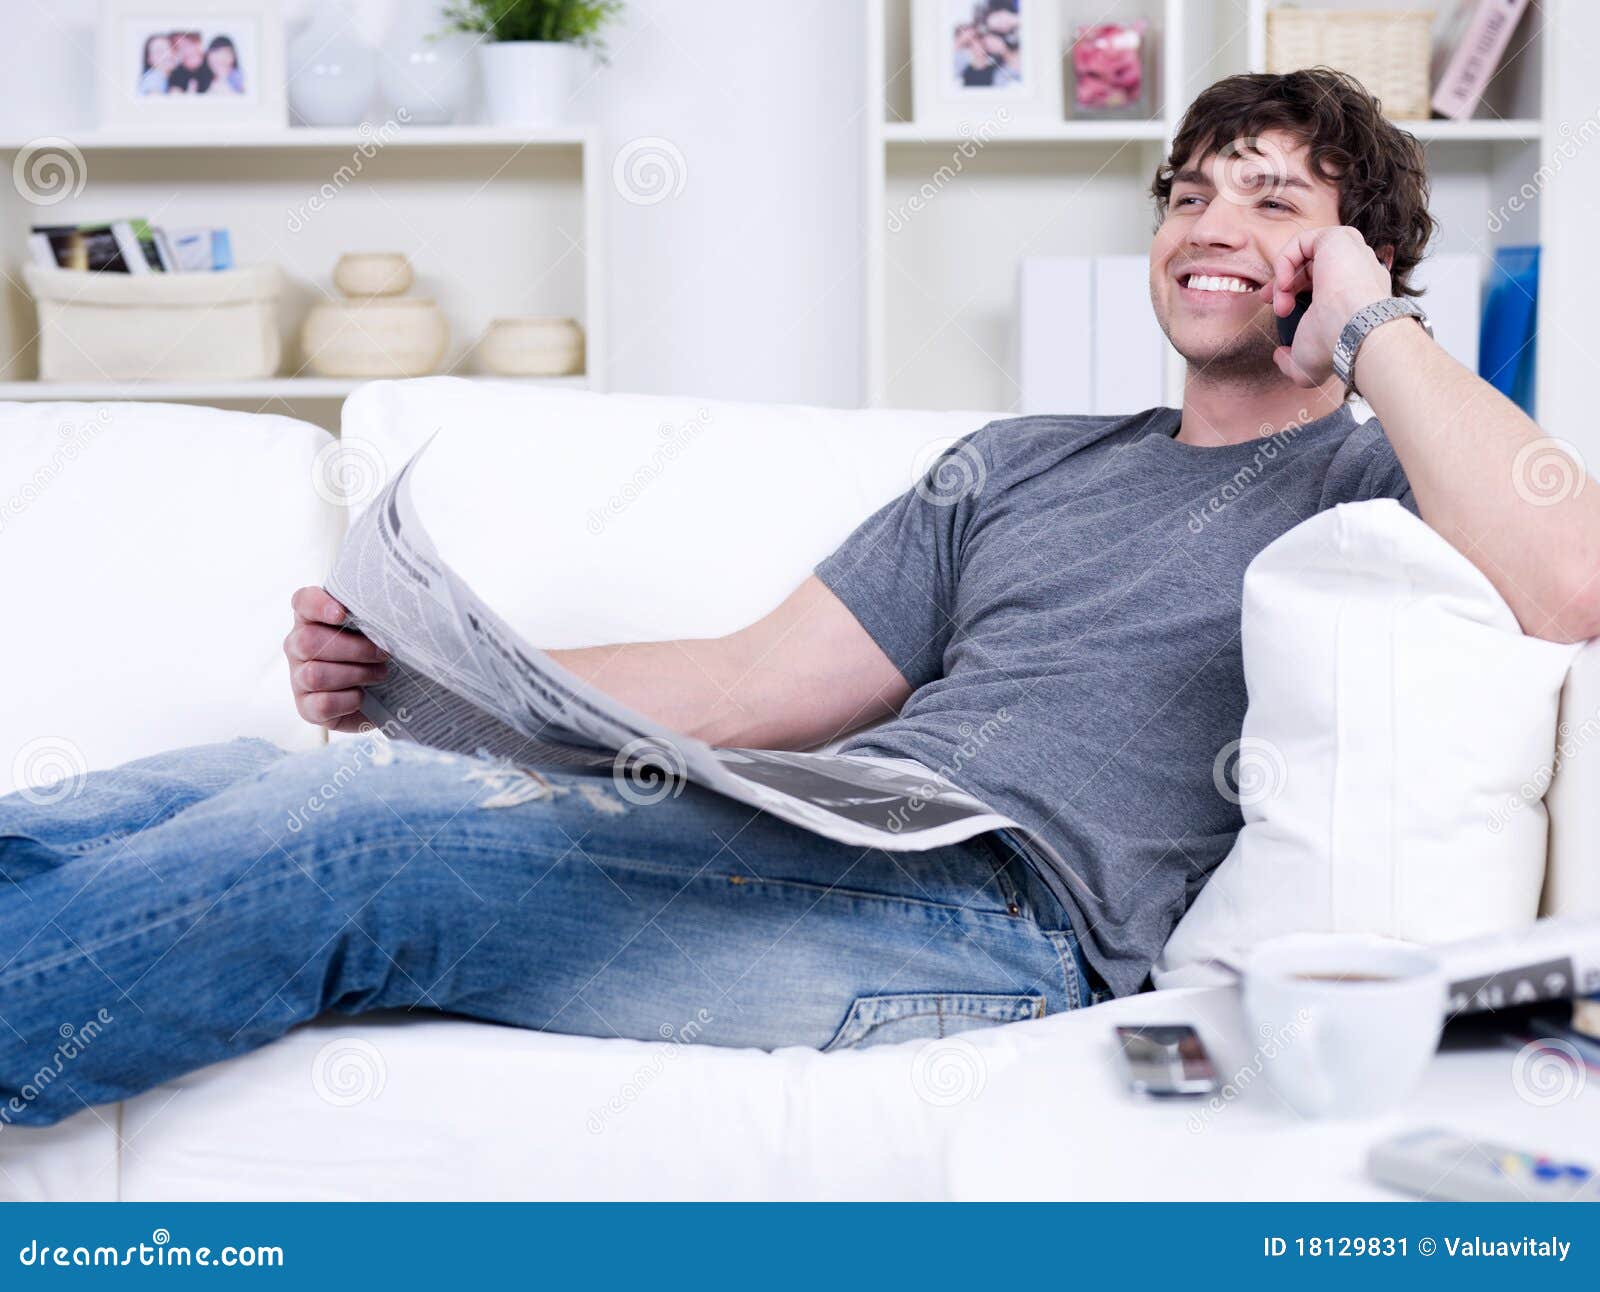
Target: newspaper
{"points": [[1552, 959], [464, 680]]}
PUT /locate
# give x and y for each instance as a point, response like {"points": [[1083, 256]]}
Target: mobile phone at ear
{"points": [[1288, 324], [1164, 1061]]}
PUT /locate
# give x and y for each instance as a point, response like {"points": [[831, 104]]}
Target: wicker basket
{"points": [[1387, 51], [159, 327]]}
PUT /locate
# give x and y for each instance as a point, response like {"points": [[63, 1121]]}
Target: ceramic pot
{"points": [[427, 71], [529, 82], [384, 336], [333, 73], [373, 273], [532, 347]]}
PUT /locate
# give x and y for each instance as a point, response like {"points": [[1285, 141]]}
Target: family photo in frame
{"points": [[172, 64], [974, 56]]}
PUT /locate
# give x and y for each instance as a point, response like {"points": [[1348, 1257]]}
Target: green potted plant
{"points": [[532, 52]]}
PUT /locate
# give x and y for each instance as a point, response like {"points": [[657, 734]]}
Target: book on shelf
{"points": [[1509, 337], [1087, 340], [1477, 53], [1586, 1016], [119, 247], [201, 251], [1055, 328], [1451, 283], [129, 247]]}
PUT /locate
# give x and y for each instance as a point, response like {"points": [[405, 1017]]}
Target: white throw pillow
{"points": [[1396, 713], [147, 556]]}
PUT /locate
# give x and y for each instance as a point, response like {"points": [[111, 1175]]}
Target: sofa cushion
{"points": [[147, 554], [1396, 713], [1572, 877], [594, 518]]}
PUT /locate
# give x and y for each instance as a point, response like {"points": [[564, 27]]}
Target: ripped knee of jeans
{"points": [[511, 785]]}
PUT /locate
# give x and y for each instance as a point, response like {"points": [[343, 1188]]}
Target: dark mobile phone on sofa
{"points": [[1288, 324], [1165, 1061]]}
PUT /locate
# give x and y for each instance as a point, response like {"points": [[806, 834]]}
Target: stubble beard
{"points": [[1243, 361]]}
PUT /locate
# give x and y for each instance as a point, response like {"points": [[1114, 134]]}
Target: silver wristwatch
{"points": [[1362, 326]]}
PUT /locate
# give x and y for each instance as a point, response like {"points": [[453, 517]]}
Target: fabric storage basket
{"points": [[156, 327], [1387, 51]]}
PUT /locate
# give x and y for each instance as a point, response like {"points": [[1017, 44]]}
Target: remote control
{"points": [[1444, 1167]]}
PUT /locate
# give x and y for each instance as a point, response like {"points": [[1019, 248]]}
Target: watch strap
{"points": [[1365, 322]]}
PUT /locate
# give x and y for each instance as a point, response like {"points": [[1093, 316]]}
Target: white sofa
{"points": [[147, 553]]}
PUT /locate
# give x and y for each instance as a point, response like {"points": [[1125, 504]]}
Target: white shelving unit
{"points": [[286, 389], [322, 137], [497, 221], [941, 276]]}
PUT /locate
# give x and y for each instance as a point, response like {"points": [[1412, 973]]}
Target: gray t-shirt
{"points": [[1063, 596]]}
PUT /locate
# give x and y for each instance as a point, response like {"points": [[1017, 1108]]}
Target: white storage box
{"points": [[156, 327]]}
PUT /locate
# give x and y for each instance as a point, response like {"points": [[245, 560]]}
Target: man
{"points": [[191, 75], [1081, 609]]}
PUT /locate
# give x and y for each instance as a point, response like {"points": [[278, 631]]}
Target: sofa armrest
{"points": [[1572, 875]]}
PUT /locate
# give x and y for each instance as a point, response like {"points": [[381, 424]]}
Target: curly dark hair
{"points": [[1378, 168]]}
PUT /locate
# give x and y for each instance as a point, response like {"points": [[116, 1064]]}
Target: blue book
{"points": [[1586, 1016], [1508, 339]]}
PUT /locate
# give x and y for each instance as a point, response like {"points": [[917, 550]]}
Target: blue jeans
{"points": [[193, 906]]}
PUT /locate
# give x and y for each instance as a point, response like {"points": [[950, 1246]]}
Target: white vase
{"points": [[427, 71], [373, 273], [530, 82], [333, 73], [532, 347], [381, 337]]}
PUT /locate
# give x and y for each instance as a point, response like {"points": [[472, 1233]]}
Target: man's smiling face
{"points": [[1229, 215]]}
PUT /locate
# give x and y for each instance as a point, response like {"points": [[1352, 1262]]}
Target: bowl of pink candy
{"points": [[1108, 69]]}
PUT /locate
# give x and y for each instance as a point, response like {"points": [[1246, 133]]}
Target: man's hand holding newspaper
{"points": [[417, 654]]}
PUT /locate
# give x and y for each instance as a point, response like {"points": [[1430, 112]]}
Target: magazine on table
{"points": [[462, 679], [1552, 959]]}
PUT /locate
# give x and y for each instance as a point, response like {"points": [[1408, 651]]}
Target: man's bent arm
{"points": [[798, 677], [1472, 456]]}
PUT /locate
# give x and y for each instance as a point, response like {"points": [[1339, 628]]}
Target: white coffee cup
{"points": [[1344, 1023]]}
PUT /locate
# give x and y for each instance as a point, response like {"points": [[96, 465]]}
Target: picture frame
{"points": [[173, 66], [972, 57]]}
